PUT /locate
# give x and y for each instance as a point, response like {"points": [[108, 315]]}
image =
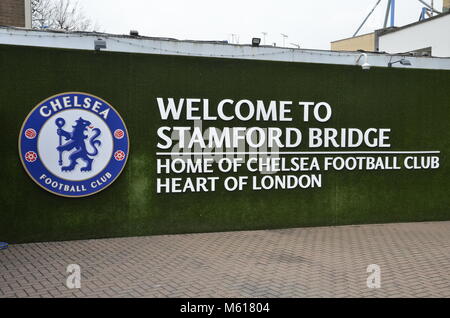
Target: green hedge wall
{"points": [[413, 103]]}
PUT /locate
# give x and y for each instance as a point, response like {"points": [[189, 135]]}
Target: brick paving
{"points": [[304, 262]]}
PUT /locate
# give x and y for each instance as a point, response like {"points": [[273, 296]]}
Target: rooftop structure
{"points": [[428, 36]]}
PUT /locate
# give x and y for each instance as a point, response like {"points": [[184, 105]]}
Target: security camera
{"points": [[365, 66]]}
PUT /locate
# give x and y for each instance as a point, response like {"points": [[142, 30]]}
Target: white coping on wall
{"points": [[148, 45]]}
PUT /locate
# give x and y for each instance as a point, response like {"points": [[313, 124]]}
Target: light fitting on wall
{"points": [[402, 61], [99, 44]]}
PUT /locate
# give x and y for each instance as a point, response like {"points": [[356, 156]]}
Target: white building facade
{"points": [[430, 36]]}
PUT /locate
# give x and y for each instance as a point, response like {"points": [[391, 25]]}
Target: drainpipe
{"points": [[28, 14]]}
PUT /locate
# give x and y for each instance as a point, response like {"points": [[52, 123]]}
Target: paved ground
{"points": [[306, 262]]}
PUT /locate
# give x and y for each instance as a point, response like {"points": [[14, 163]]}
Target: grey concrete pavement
{"points": [[414, 259]]}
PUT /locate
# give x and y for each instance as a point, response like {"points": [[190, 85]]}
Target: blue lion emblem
{"points": [[77, 140]]}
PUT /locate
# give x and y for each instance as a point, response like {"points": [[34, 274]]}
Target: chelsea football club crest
{"points": [[74, 144]]}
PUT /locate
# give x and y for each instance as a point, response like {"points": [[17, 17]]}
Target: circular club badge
{"points": [[73, 144]]}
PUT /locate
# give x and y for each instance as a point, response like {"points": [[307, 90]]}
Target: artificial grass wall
{"points": [[413, 103]]}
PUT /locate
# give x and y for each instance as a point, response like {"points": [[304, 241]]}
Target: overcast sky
{"points": [[312, 24]]}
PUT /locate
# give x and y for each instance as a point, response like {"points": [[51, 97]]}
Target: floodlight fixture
{"points": [[256, 41]]}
